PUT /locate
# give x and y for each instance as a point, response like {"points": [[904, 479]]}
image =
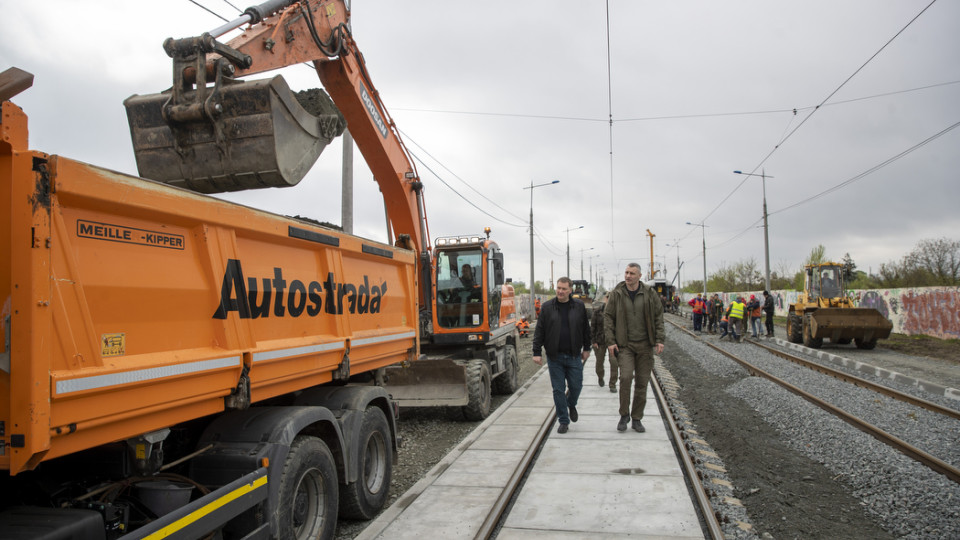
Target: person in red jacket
{"points": [[699, 309]]}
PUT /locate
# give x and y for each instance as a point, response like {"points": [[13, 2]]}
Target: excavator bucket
{"points": [[865, 325], [428, 383], [258, 136]]}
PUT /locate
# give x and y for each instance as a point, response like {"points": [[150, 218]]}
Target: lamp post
{"points": [[531, 237], [676, 245], [581, 260], [703, 235], [568, 247], [766, 236], [591, 258]]}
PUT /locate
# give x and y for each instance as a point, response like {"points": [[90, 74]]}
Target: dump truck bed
{"points": [[129, 305]]}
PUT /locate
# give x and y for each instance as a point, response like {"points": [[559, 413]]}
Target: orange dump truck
{"points": [[173, 365]]}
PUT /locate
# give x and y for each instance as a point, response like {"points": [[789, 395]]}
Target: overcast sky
{"points": [[495, 96]]}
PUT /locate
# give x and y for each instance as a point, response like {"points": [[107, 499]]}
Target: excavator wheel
{"points": [[808, 339], [507, 382], [478, 390]]}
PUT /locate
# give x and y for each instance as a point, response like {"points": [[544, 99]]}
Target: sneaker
{"points": [[573, 414], [600, 380], [622, 425], [563, 428], [638, 427]]}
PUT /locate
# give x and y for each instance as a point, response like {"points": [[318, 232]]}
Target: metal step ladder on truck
{"points": [[175, 365]]}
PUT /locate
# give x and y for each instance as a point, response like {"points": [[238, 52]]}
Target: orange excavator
{"points": [[174, 364]]}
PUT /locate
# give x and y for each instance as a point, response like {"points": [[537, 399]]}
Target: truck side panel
{"points": [[158, 299]]}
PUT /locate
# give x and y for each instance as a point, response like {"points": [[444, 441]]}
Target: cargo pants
{"points": [[636, 366]]}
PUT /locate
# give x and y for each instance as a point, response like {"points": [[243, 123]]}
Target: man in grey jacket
{"points": [[633, 324]]}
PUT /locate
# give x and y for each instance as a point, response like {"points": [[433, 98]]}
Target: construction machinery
{"points": [[823, 310], [172, 364]]}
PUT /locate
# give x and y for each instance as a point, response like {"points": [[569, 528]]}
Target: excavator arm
{"points": [[233, 135]]}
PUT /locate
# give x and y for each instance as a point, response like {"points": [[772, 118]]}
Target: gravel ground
{"points": [[814, 476], [798, 472]]}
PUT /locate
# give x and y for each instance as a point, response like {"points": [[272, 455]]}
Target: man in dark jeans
{"points": [[564, 331], [768, 310]]}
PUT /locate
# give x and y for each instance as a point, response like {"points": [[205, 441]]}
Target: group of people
{"points": [[627, 329], [735, 317]]}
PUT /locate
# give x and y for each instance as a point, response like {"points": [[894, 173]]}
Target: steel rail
{"points": [[934, 463], [689, 468]]}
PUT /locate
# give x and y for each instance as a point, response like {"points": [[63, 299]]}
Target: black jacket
{"points": [[547, 334]]}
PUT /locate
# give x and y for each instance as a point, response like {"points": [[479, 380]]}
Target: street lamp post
{"points": [[703, 236], [677, 245], [568, 247], [766, 231], [581, 260], [531, 238]]}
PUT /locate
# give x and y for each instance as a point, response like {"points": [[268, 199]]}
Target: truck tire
{"points": [[864, 344], [364, 498], [478, 390], [508, 382], [308, 492], [794, 328], [808, 339]]}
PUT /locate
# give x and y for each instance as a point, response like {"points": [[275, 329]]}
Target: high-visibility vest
{"points": [[736, 310]]}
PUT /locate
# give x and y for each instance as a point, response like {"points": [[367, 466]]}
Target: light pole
{"points": [[591, 258], [581, 260], [766, 234], [568, 247], [703, 235], [532, 302], [677, 245]]}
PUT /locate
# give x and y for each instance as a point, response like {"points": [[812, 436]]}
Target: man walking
{"points": [[600, 346], [633, 325], [768, 311], [564, 331]]}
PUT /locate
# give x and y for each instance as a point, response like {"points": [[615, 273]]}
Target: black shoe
{"points": [[622, 425], [613, 389], [638, 427], [563, 428], [600, 379], [573, 414]]}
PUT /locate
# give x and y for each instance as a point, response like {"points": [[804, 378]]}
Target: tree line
{"points": [[931, 263]]}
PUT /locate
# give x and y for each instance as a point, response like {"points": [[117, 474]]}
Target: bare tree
{"points": [[941, 258]]}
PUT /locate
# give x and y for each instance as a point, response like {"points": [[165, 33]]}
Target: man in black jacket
{"points": [[564, 331]]}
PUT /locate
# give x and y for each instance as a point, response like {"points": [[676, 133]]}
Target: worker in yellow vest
{"points": [[734, 316]]}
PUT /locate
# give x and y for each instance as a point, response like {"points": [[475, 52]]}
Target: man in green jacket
{"points": [[633, 325]]}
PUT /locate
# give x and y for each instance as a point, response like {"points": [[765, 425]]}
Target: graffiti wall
{"points": [[933, 311]]}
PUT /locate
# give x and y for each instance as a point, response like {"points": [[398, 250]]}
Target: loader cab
{"points": [[469, 279], [825, 281]]}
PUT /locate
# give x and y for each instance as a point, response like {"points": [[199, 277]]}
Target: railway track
{"points": [[934, 463], [710, 518]]}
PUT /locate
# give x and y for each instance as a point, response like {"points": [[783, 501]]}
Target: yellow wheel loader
{"points": [[824, 310]]}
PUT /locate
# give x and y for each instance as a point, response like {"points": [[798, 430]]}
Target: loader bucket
{"points": [[261, 137], [861, 324]]}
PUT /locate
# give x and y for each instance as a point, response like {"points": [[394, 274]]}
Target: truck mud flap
{"points": [[849, 323], [428, 383], [258, 135], [211, 511]]}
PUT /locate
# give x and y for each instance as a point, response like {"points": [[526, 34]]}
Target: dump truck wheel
{"points": [[308, 491], [808, 339], [864, 344], [365, 497], [478, 390], [794, 325], [507, 382]]}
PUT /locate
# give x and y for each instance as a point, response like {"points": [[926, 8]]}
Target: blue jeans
{"points": [[565, 369], [755, 325]]}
